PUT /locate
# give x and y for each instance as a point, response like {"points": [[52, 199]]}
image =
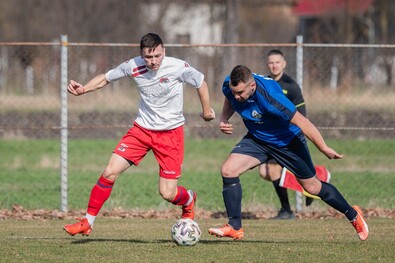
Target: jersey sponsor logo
{"points": [[139, 70], [256, 114], [122, 147], [168, 172]]}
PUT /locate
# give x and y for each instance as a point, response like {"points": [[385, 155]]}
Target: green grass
{"points": [[148, 240], [30, 175]]}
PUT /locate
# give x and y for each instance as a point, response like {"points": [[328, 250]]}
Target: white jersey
{"points": [[161, 91]]}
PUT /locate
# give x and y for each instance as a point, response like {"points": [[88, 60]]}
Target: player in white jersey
{"points": [[158, 126], [161, 91]]}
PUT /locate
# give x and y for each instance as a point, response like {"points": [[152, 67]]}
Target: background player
{"points": [[158, 126], [271, 170]]}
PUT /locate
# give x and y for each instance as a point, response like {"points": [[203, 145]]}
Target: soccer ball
{"points": [[186, 232]]}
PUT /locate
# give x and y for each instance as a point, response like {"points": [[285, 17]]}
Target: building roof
{"points": [[315, 8]]}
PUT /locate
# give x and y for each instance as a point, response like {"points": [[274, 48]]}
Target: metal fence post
{"points": [[299, 80], [63, 125]]}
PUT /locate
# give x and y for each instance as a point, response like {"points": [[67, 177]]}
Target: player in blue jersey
{"points": [[271, 170], [276, 130]]}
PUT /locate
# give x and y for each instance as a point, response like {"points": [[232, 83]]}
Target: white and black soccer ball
{"points": [[186, 232]]}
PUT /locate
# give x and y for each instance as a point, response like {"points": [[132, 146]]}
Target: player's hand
{"points": [[226, 127], [208, 116], [332, 154], [75, 88]]}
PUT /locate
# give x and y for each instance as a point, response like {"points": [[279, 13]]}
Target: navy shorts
{"points": [[295, 156]]}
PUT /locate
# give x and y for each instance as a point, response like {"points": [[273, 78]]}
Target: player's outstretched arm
{"points": [[227, 112], [208, 113], [78, 89], [314, 136]]}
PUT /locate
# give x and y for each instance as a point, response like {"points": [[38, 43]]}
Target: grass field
{"points": [[30, 178], [148, 240], [30, 175]]}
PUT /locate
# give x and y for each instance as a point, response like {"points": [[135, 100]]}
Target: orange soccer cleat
{"points": [[360, 225], [188, 211], [82, 227], [227, 231]]}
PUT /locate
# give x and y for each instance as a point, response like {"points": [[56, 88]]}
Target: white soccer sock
{"points": [[90, 218], [190, 198]]}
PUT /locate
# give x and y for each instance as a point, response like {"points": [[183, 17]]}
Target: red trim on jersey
{"points": [[140, 70], [139, 67]]}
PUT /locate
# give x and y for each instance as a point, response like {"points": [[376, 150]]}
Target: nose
{"points": [[238, 98]]}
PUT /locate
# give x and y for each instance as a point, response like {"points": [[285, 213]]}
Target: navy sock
{"points": [[232, 194], [282, 195], [330, 195]]}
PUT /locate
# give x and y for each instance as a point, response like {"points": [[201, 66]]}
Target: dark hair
{"points": [[275, 52], [151, 41], [240, 73]]}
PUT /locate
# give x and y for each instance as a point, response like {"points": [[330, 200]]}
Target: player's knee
{"points": [[312, 187], [167, 195], [109, 174], [227, 171]]}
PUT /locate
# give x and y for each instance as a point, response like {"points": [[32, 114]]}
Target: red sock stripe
{"points": [[99, 195], [104, 183], [182, 196]]}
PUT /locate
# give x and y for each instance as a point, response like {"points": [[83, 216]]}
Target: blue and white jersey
{"points": [[267, 113]]}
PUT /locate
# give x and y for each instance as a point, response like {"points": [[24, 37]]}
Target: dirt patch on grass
{"points": [[19, 213]]}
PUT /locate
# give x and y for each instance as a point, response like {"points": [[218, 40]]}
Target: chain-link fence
{"points": [[349, 90]]}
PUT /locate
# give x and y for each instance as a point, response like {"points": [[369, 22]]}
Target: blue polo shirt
{"points": [[267, 113]]}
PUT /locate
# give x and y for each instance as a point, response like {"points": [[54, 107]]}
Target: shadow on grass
{"points": [[91, 240], [207, 242]]}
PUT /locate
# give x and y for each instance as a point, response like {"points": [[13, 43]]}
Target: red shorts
{"points": [[167, 146]]}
